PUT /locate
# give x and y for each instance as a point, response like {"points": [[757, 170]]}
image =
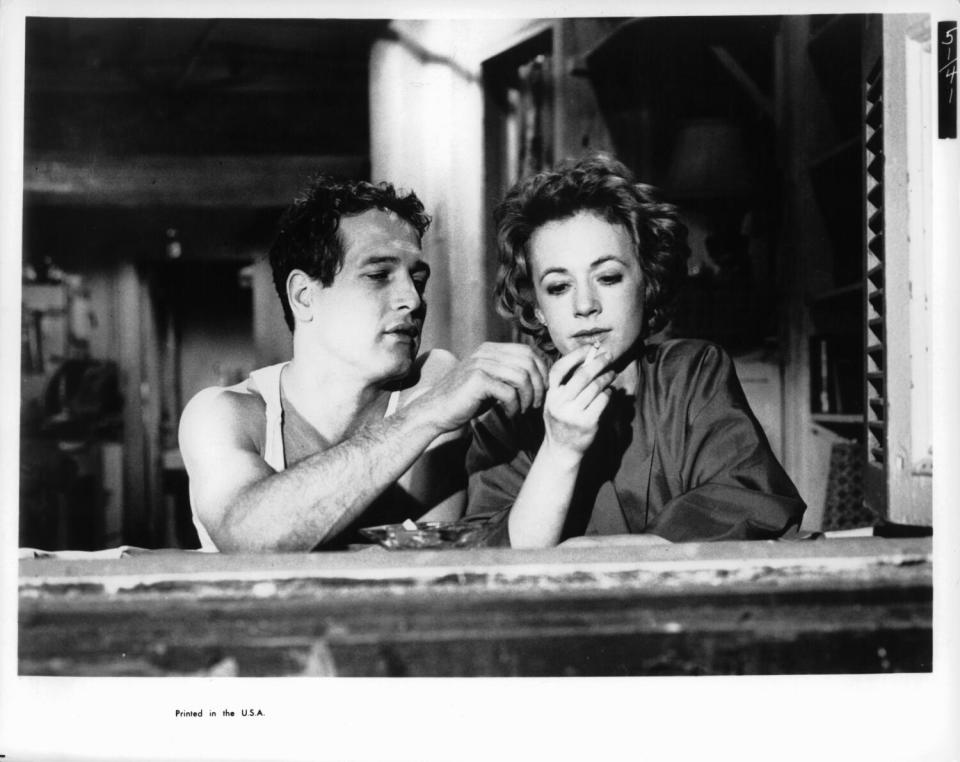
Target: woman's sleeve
{"points": [[497, 466], [735, 489]]}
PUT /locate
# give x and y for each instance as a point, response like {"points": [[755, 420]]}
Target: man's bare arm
{"points": [[245, 505]]}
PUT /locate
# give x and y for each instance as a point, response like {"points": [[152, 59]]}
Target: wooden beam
{"points": [[188, 181]]}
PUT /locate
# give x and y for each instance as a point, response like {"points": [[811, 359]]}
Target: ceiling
{"points": [[132, 126], [198, 86]]}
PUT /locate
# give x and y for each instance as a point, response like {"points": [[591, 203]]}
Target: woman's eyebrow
{"points": [[603, 260], [596, 263], [552, 270]]}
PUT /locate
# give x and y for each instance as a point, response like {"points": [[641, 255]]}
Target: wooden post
{"points": [[129, 346], [150, 396]]}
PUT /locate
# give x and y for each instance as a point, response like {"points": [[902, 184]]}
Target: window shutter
{"points": [[875, 323]]}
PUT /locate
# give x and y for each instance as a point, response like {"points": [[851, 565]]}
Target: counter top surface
{"points": [[610, 561], [615, 607]]}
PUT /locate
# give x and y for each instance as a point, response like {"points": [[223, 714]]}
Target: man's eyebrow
{"points": [[379, 259], [387, 259]]}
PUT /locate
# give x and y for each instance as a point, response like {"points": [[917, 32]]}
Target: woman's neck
{"points": [[627, 368], [628, 379]]}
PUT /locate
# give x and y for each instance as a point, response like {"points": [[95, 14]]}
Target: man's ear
{"points": [[300, 293]]}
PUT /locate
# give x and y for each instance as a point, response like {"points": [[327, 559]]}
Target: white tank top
{"points": [[267, 382]]}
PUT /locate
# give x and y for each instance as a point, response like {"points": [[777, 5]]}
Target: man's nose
{"points": [[586, 302], [407, 295]]}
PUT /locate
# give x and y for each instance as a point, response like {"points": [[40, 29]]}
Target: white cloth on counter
{"points": [[81, 555]]}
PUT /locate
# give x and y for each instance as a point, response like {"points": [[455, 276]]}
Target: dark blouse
{"points": [[685, 459]]}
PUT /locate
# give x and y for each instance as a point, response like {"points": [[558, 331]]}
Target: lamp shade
{"points": [[710, 160]]}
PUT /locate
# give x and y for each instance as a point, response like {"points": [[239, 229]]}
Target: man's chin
{"points": [[403, 380], [401, 367]]}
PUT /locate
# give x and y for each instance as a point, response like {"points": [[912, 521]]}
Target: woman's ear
{"points": [[300, 295], [538, 314]]}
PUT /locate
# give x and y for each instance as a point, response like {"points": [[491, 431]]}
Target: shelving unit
{"points": [[835, 175]]}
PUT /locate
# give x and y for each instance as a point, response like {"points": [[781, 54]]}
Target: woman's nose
{"points": [[586, 302]]}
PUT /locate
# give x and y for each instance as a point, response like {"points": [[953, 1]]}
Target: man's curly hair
{"points": [[603, 186], [308, 236]]}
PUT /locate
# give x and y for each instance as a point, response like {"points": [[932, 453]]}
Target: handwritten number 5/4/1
{"points": [[947, 75]]}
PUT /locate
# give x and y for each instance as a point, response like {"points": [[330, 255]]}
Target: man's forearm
{"points": [[313, 501]]}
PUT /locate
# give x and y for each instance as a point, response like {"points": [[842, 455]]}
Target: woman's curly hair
{"points": [[308, 236], [603, 186]]}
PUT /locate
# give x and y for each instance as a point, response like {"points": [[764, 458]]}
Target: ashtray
{"points": [[429, 535]]}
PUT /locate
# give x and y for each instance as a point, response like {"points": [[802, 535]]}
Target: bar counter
{"points": [[613, 606]]}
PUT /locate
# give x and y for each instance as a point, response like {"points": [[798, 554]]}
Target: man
{"points": [[356, 429]]}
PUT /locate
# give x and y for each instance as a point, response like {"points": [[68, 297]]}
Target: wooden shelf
{"points": [[829, 418], [847, 425], [851, 289]]}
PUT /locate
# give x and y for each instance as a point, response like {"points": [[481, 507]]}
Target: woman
{"points": [[632, 438]]}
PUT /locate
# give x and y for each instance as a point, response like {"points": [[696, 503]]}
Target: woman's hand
{"points": [[579, 390], [577, 394]]}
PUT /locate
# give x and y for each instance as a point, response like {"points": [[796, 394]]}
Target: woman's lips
{"points": [[591, 337]]}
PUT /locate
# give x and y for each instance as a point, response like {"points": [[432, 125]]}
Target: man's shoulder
{"points": [[236, 412], [240, 398]]}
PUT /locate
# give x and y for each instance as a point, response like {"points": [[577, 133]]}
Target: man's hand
{"points": [[578, 394], [511, 375]]}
